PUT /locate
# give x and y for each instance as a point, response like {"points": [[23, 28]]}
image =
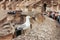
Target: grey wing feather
{"points": [[20, 26]]}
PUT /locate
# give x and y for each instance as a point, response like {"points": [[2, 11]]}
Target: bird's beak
{"points": [[30, 17]]}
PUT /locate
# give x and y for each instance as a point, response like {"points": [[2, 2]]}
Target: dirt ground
{"points": [[47, 30]]}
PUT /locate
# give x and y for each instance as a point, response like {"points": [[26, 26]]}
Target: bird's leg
{"points": [[22, 31], [31, 26]]}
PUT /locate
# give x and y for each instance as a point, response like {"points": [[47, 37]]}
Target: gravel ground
{"points": [[47, 30]]}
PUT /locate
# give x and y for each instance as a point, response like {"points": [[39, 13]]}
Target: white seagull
{"points": [[24, 26]]}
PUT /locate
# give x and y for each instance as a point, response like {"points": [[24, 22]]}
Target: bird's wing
{"points": [[20, 26], [25, 27]]}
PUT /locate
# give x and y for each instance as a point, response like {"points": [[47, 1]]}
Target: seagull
{"points": [[25, 25]]}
